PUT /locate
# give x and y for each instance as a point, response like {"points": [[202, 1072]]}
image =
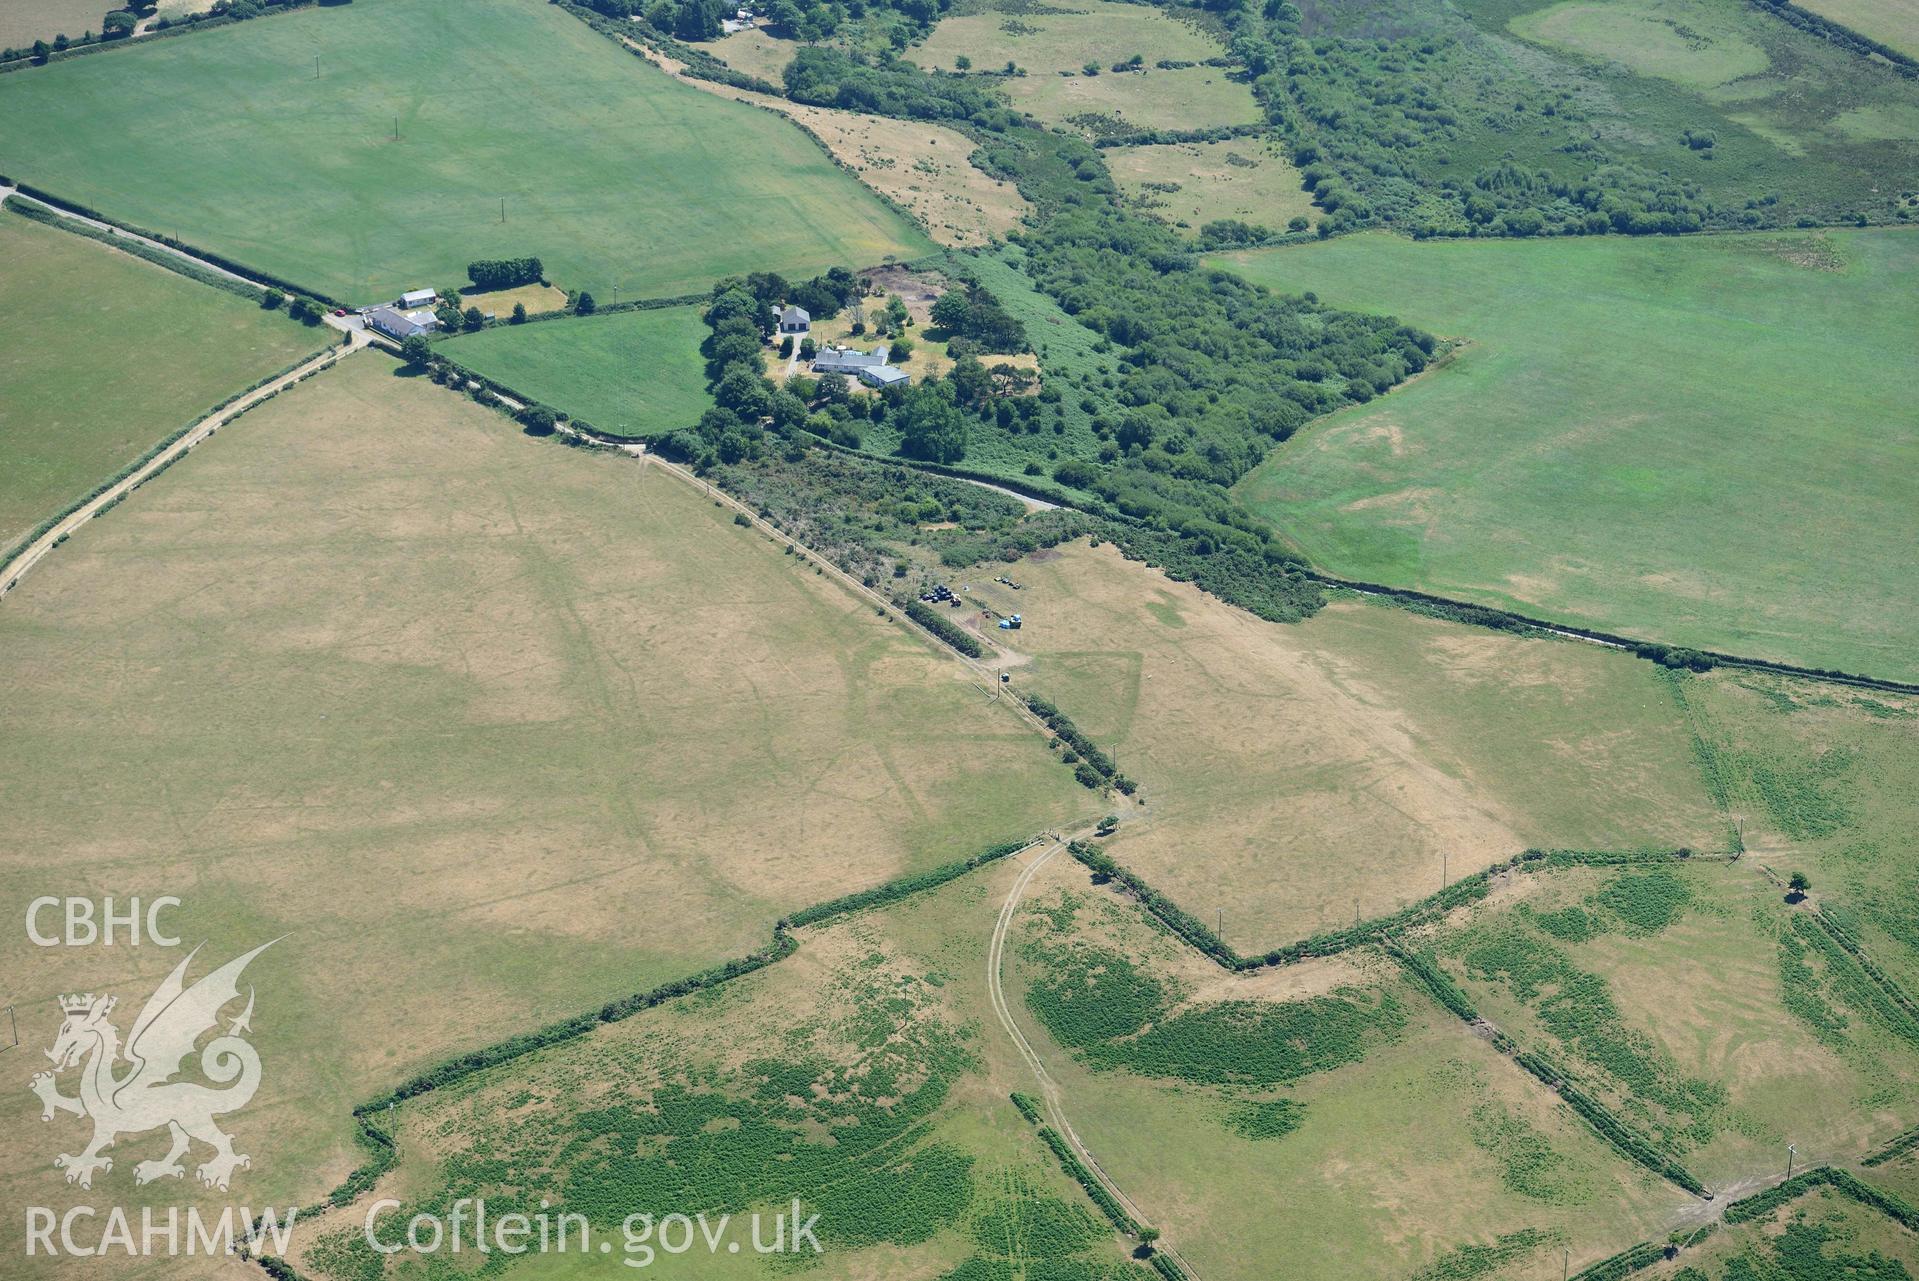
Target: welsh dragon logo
{"points": [[145, 1096]]}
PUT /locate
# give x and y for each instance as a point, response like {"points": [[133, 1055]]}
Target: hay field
{"points": [[1297, 775], [24, 21], [1406, 1148], [631, 373], [612, 174], [492, 730], [755, 52], [102, 355], [1245, 178], [1694, 439]]}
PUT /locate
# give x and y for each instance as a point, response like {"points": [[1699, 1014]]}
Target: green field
{"points": [[1194, 183], [1700, 440], [632, 373], [103, 355], [621, 180], [495, 730], [1891, 22]]}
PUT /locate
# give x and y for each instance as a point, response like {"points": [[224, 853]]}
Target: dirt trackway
{"points": [[31, 555], [1049, 1088]]}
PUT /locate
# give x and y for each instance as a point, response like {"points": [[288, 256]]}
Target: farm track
{"points": [[1049, 1088], [35, 551]]}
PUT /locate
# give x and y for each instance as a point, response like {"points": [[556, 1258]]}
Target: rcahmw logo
{"points": [[145, 1096]]}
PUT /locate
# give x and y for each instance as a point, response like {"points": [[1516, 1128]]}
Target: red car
{"points": [[339, 311]]}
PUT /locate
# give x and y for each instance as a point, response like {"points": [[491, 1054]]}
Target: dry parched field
{"points": [[489, 729], [1244, 178], [1295, 776]]}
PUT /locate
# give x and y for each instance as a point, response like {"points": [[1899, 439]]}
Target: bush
{"points": [[504, 273]]}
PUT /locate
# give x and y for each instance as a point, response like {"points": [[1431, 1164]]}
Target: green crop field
{"points": [[103, 355], [621, 180], [1701, 440], [500, 730], [633, 373]]}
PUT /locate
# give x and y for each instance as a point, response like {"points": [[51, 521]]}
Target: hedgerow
{"points": [[958, 637], [1471, 1261], [904, 886]]}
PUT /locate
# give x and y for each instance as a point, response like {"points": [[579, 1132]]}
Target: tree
{"points": [[1798, 886], [932, 426], [519, 313], [963, 63], [474, 318], [271, 299], [117, 24], [901, 351], [538, 420], [417, 350], [584, 304], [40, 51]]}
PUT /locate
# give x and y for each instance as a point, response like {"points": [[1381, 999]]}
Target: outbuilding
{"points": [[883, 376], [794, 320], [413, 298], [400, 327]]}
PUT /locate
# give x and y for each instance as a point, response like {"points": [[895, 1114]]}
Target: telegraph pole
{"points": [[502, 208], [316, 66], [13, 1021], [1790, 1152]]}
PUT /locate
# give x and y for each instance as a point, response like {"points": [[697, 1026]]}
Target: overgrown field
{"points": [[1074, 66], [1826, 782], [853, 1076], [1821, 1236], [1513, 117], [1699, 440], [103, 355], [630, 373], [1323, 1120], [1710, 1016], [492, 730], [1298, 776], [617, 177], [1190, 184]]}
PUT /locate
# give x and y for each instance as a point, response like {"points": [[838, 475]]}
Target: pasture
{"points": [[632, 373], [1820, 1234], [1825, 781], [1053, 49], [1697, 1005], [1697, 440], [1193, 183], [1298, 776], [869, 1033], [491, 729], [1396, 1151], [388, 168], [102, 355]]}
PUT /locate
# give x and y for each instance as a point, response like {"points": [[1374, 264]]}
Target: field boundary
{"points": [[1639, 1257], [178, 263], [384, 1152], [1625, 1140], [110, 493], [204, 257], [1467, 889], [1894, 1148]]}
